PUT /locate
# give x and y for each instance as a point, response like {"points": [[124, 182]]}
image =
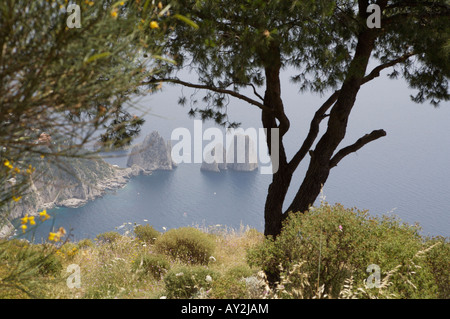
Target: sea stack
{"points": [[241, 155], [215, 159], [152, 154]]}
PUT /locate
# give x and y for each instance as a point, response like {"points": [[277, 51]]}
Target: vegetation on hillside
{"points": [[324, 253]]}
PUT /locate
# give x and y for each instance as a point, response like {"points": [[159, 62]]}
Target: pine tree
{"points": [[329, 44]]}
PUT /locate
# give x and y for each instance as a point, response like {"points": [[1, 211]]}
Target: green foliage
{"points": [[438, 262], [150, 264], [26, 269], [111, 280], [332, 244], [55, 80], [237, 42], [239, 272], [185, 282], [50, 266], [187, 244], [146, 233], [85, 243], [231, 285], [108, 237]]}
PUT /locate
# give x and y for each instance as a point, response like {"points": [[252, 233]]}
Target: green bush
{"points": [[146, 233], [187, 244], [239, 272], [85, 243], [108, 237], [185, 282], [332, 244], [50, 265], [438, 261], [232, 285], [228, 287], [154, 265]]}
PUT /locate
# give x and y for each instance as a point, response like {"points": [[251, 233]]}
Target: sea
{"points": [[406, 173]]}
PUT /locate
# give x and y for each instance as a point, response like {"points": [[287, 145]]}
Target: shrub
{"points": [[184, 282], [108, 237], [438, 261], [68, 250], [332, 244], [228, 287], [232, 284], [154, 265], [146, 233], [85, 243], [239, 272], [50, 265], [187, 244]]}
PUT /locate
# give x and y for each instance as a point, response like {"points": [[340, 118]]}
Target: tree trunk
{"points": [[320, 164], [273, 210]]}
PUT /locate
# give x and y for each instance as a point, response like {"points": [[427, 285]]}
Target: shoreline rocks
{"points": [[73, 182]]}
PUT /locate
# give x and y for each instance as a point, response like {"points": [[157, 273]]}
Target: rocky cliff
{"points": [[70, 182], [73, 181]]}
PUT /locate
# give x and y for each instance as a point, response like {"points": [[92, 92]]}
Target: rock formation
{"points": [[215, 159], [241, 156], [152, 154]]}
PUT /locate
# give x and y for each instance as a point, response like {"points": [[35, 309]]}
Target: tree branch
{"points": [[376, 71], [320, 114], [313, 131], [210, 88], [356, 146]]}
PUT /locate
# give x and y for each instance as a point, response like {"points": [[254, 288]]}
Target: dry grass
{"points": [[107, 271], [106, 267]]}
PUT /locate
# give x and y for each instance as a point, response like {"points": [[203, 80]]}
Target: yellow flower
{"points": [[57, 236], [122, 3], [154, 25], [24, 228], [24, 220], [31, 220], [30, 169], [160, 5], [43, 215], [114, 13], [8, 164], [16, 199], [51, 236]]}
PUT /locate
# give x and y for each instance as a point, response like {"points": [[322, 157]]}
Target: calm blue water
{"points": [[406, 173]]}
